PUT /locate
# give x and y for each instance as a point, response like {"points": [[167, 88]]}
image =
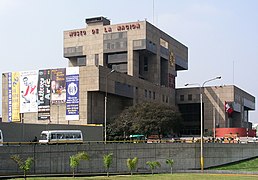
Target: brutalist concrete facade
{"points": [[215, 99], [145, 61]]}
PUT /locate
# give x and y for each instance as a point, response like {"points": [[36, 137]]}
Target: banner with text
{"points": [[15, 96], [44, 90], [28, 91], [58, 91], [72, 93]]}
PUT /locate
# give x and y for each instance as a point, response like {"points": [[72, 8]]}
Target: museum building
{"points": [[111, 67], [128, 63]]}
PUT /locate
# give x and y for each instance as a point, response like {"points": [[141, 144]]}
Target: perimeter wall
{"points": [[52, 159]]}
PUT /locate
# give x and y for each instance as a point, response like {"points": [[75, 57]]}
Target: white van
{"points": [[1, 138], [61, 136]]}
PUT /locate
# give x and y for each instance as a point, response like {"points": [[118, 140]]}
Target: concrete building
{"points": [[129, 63], [223, 107]]}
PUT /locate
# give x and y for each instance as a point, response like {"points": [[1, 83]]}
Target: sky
{"points": [[221, 36]]}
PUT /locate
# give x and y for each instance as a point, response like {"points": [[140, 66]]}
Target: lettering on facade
{"points": [[172, 58], [128, 27], [171, 81], [95, 31], [125, 27], [77, 33], [107, 29]]}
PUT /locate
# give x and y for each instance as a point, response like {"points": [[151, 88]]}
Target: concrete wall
{"points": [[19, 132], [55, 158]]}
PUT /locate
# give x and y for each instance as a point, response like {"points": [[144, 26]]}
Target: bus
{"points": [[61, 136], [137, 138], [1, 138]]}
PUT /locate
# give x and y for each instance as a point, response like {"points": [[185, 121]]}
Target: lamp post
{"points": [[105, 115], [200, 88]]}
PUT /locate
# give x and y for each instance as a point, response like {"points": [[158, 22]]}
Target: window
{"points": [[182, 97], [115, 36], [163, 98], [190, 97], [163, 43], [150, 94], [146, 93], [145, 64], [81, 61], [96, 59], [166, 99], [108, 45], [117, 45]]}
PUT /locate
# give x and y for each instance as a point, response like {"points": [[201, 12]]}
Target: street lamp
{"points": [[105, 118], [200, 88]]}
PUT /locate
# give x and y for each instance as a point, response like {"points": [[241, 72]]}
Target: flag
{"points": [[228, 109]]}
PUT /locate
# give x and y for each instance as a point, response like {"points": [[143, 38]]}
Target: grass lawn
{"points": [[176, 176], [249, 165]]}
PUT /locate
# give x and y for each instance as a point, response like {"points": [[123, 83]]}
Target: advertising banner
{"points": [[9, 81], [72, 93], [44, 89], [28, 91], [58, 92], [15, 96]]}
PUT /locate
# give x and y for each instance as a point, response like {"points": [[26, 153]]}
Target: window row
{"points": [[152, 95], [182, 97]]}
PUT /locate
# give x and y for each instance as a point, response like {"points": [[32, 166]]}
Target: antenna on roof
{"points": [[153, 11]]}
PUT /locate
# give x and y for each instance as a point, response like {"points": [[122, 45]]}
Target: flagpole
{"points": [[233, 72]]}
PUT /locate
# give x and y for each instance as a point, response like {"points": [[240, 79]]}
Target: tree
{"points": [[131, 164], [75, 160], [107, 159], [146, 118], [23, 165], [153, 165], [170, 162]]}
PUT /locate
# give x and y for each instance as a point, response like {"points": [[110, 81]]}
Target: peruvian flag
{"points": [[228, 109]]}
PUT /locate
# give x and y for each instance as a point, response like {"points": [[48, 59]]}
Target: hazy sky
{"points": [[221, 36]]}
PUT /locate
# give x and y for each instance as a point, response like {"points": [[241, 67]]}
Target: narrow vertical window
{"points": [[145, 64]]}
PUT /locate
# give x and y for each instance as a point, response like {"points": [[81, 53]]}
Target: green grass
{"points": [[176, 176], [249, 165]]}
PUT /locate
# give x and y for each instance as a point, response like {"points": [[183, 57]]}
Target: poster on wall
{"points": [[9, 96], [58, 91], [15, 96], [72, 93], [28, 91], [44, 89]]}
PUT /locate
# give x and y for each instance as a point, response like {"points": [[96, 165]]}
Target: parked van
{"points": [[1, 138], [61, 136]]}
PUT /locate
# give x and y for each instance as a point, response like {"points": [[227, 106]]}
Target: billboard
{"points": [[15, 96], [44, 89], [36, 90], [58, 91], [28, 91], [72, 93]]}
